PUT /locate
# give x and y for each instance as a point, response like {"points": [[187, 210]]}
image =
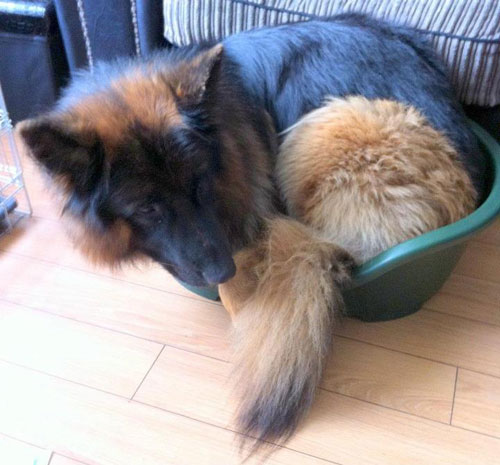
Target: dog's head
{"points": [[138, 164]]}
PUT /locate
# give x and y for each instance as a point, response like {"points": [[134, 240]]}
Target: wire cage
{"points": [[14, 200]]}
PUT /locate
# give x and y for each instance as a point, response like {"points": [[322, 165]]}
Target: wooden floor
{"points": [[128, 368]]}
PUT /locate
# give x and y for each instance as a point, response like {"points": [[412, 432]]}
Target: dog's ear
{"points": [[71, 157], [194, 77]]}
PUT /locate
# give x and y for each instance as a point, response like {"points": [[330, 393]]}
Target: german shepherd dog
{"points": [[173, 156]]}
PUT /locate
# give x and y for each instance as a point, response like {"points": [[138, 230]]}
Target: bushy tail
{"points": [[283, 300]]}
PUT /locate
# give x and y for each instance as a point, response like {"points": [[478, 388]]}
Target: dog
{"points": [[358, 176], [172, 156], [167, 158]]}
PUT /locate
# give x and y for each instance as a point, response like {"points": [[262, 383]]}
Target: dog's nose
{"points": [[217, 274]]}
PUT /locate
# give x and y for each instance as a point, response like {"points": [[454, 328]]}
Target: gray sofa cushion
{"points": [[465, 33]]}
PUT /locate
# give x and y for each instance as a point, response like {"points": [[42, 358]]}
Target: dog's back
{"points": [[292, 68]]}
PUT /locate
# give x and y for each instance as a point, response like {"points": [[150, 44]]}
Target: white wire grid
{"points": [[14, 201]]}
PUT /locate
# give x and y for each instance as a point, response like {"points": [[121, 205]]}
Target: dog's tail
{"points": [[283, 300]]}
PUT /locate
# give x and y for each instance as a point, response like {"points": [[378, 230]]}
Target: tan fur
{"points": [[281, 300], [136, 97], [363, 176], [371, 174], [109, 247]]}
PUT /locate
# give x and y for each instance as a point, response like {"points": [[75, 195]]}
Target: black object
{"points": [[109, 26], [489, 118], [32, 60]]}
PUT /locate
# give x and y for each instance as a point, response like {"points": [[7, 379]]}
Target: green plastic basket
{"points": [[398, 281]]}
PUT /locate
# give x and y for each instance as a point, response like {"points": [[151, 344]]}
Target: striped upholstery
{"points": [[465, 33]]}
